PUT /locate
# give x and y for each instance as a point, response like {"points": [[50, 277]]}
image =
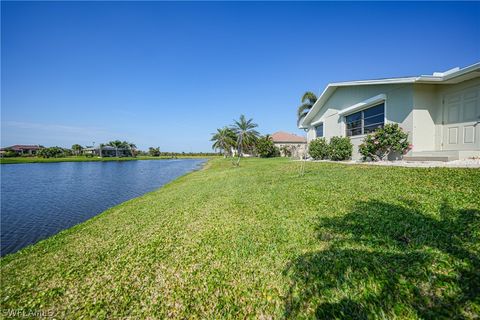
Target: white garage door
{"points": [[461, 114]]}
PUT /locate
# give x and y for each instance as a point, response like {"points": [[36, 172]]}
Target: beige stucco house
{"points": [[290, 144], [441, 112]]}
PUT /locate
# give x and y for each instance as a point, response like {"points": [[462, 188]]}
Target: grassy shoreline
{"points": [[15, 160], [260, 241]]}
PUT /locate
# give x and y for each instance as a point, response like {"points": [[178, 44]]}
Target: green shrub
{"points": [[9, 154], [52, 152], [340, 148], [265, 148], [319, 149], [379, 144], [154, 152]]}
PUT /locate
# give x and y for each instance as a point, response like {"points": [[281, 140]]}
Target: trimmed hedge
{"points": [[318, 149], [339, 148]]}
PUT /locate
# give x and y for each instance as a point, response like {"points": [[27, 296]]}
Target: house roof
{"points": [[18, 147], [282, 136], [104, 148], [451, 76]]}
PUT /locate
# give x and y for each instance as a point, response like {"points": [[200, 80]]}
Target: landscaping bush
{"points": [[319, 149], [9, 154], [379, 144], [340, 148], [52, 152], [265, 148]]}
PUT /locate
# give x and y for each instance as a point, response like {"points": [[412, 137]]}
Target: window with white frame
{"points": [[319, 130], [365, 121]]}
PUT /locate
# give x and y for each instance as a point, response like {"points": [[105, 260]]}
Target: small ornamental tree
{"points": [[379, 144], [154, 152], [265, 148], [340, 148], [318, 149]]}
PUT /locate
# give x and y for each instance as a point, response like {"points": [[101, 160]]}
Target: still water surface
{"points": [[40, 199]]}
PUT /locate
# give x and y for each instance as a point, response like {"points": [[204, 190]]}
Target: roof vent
{"points": [[442, 74]]}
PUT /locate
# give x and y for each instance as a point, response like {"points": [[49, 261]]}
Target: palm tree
{"points": [[132, 147], [76, 148], [224, 140], [116, 144], [308, 100], [246, 134], [100, 147]]}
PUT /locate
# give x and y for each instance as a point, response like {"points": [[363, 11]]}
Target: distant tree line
{"points": [[155, 152]]}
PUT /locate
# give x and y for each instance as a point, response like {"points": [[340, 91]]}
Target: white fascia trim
{"points": [[364, 104], [379, 81]]}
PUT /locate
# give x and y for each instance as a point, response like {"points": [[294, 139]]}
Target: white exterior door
{"points": [[461, 120]]}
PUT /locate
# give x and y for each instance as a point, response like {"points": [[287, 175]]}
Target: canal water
{"points": [[40, 199]]}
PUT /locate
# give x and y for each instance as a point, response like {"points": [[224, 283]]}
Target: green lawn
{"points": [[85, 159], [260, 241]]}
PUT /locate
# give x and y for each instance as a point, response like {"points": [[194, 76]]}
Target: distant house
{"points": [[107, 151], [290, 144], [22, 149], [440, 112]]}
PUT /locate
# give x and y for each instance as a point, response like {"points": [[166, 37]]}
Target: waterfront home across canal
{"points": [[289, 144], [22, 149], [107, 151]]}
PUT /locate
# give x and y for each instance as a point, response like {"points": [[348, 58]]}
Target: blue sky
{"points": [[169, 73]]}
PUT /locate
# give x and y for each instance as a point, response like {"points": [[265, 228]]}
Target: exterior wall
{"points": [[398, 108], [298, 149], [428, 113], [425, 118]]}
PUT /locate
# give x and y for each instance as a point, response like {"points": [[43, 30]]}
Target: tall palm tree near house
{"points": [[132, 147], [116, 144], [246, 134], [100, 147], [308, 100], [77, 149], [223, 140]]}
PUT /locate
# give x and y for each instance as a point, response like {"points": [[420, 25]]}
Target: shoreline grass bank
{"points": [[261, 241], [15, 160]]}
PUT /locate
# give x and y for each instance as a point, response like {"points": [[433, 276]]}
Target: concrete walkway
{"points": [[467, 163]]}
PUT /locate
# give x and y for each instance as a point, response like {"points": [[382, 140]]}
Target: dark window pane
{"points": [[353, 117], [369, 120], [354, 124], [374, 111], [373, 120], [319, 130]]}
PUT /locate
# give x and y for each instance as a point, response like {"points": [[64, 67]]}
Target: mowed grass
{"points": [[14, 160], [261, 241]]}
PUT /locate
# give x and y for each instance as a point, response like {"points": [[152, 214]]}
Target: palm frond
{"points": [[310, 97], [304, 108]]}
